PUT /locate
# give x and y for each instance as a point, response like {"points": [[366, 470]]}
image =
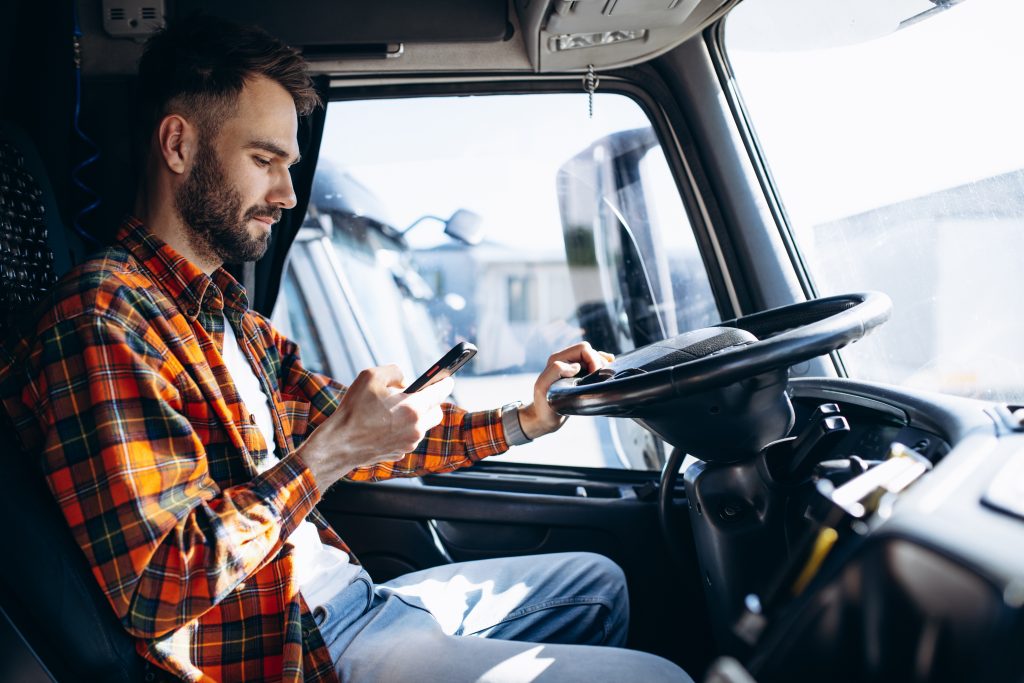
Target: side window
{"points": [[294, 319], [519, 224]]}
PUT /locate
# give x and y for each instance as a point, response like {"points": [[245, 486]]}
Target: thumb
{"points": [[567, 369]]}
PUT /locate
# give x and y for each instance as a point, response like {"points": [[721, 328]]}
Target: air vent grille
{"points": [[136, 19]]}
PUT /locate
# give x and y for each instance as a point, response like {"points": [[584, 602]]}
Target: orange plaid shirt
{"points": [[151, 455]]}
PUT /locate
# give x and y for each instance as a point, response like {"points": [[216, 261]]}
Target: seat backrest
{"points": [[45, 583], [34, 246]]}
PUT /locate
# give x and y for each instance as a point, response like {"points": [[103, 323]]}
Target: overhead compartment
{"points": [[569, 35]]}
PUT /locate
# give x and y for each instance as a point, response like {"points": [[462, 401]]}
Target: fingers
{"points": [[382, 376], [584, 354], [566, 369], [416, 414], [592, 358], [427, 403], [438, 391], [428, 419], [555, 370], [391, 376]]}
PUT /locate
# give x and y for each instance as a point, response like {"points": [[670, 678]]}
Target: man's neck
{"points": [[164, 222]]}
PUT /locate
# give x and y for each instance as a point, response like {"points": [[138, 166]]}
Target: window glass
{"points": [[519, 224], [521, 307], [389, 293], [892, 132], [293, 318]]}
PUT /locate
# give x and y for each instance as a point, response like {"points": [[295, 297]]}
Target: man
{"points": [[187, 446]]}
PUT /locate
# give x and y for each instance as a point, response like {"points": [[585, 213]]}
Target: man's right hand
{"points": [[376, 422]]}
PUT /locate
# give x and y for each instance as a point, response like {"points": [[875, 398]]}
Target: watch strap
{"points": [[514, 434]]}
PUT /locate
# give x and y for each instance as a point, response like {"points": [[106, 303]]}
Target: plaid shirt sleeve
{"points": [[165, 542], [461, 439]]}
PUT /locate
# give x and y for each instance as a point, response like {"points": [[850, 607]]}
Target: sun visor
{"points": [[326, 23]]}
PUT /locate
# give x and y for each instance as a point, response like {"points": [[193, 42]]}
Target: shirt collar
{"points": [[183, 281]]}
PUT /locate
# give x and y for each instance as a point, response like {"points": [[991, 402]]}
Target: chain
{"points": [[590, 83]]}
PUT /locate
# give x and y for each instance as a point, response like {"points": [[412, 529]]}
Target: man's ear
{"points": [[177, 140]]}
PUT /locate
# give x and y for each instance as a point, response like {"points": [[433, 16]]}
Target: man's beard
{"points": [[212, 210]]}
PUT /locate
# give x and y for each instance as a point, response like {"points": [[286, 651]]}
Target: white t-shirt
{"points": [[321, 570]]}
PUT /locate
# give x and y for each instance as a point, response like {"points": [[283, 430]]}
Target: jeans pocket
{"points": [[344, 609]]}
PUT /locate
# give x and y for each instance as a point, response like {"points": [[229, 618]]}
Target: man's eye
{"points": [[261, 161]]}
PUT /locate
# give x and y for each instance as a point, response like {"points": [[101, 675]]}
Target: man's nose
{"points": [[282, 194]]}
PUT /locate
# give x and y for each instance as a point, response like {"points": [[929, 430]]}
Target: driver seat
{"points": [[47, 590]]}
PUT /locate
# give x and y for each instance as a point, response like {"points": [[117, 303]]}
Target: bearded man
{"points": [[187, 446]]}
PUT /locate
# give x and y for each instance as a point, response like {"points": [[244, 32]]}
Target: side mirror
{"points": [[465, 226]]}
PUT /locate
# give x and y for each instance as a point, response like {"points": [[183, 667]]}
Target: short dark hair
{"points": [[198, 66]]}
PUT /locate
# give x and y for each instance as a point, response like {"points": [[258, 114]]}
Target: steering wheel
{"points": [[719, 393]]}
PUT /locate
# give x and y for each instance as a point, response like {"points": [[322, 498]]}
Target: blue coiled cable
{"points": [[94, 198]]}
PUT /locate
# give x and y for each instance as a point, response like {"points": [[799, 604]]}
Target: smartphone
{"points": [[449, 364]]}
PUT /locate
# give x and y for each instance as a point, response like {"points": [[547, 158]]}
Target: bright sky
{"points": [[932, 106]]}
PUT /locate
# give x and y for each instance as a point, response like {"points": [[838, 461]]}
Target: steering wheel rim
{"points": [[666, 505], [785, 336]]}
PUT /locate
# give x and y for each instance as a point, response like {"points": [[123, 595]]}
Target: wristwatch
{"points": [[514, 434]]}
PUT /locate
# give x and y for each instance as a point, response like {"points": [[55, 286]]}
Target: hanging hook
{"points": [[590, 83]]}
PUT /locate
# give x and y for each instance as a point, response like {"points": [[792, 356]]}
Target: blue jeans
{"points": [[560, 617]]}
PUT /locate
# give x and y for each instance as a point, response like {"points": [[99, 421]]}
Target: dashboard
{"points": [[924, 584]]}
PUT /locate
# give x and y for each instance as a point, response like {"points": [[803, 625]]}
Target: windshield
{"points": [[521, 222], [897, 156]]}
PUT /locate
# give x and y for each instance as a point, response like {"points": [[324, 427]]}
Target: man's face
{"points": [[238, 182]]}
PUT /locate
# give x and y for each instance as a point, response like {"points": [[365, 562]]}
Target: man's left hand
{"points": [[538, 419]]}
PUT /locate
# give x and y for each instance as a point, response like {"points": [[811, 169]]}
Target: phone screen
{"points": [[446, 366]]}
